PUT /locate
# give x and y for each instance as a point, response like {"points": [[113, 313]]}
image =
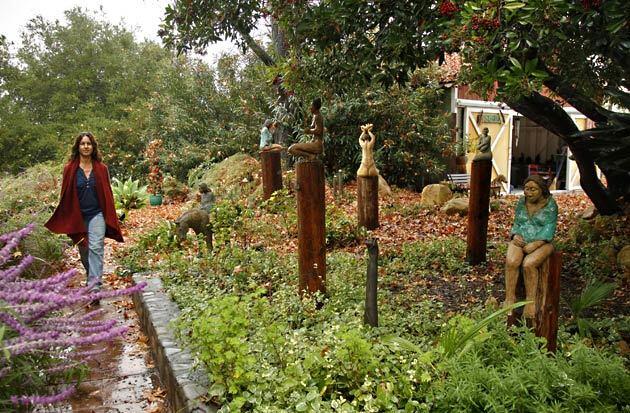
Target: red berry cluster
{"points": [[478, 21], [591, 4], [447, 8]]}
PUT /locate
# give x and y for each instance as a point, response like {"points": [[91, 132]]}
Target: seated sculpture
{"points": [[484, 147], [206, 197], [366, 141], [310, 150], [266, 137], [535, 221]]}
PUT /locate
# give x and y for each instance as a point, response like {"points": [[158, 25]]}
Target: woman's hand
{"points": [[518, 241], [532, 246]]}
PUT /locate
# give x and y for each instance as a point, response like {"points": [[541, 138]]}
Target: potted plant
{"points": [[156, 177]]}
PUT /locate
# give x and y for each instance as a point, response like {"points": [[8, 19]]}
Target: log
{"points": [[370, 316], [271, 172], [367, 201], [311, 210], [478, 211]]}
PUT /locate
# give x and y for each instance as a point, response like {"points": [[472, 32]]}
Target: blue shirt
{"points": [[266, 138], [539, 227], [88, 201]]}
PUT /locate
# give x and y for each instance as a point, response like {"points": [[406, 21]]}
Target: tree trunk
{"points": [[552, 117]]}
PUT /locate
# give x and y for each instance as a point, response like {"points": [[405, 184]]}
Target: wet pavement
{"points": [[123, 378]]}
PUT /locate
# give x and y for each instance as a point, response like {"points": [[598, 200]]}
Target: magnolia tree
{"points": [[46, 343], [535, 55]]}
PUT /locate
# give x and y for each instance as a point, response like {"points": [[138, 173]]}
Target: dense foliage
{"points": [[412, 137], [88, 74], [266, 350], [577, 50]]}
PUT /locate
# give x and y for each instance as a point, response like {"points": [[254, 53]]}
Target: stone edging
{"points": [[186, 389]]}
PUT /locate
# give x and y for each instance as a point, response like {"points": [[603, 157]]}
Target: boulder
{"points": [[456, 206], [383, 187], [435, 195], [623, 259], [590, 212]]}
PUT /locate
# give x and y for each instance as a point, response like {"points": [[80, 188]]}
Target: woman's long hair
{"points": [[542, 184], [77, 141]]}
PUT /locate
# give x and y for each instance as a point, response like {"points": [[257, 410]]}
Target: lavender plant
{"points": [[45, 339]]}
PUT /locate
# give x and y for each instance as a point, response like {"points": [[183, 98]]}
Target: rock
{"points": [[624, 348], [383, 186], [456, 206], [623, 259], [435, 195], [590, 212], [492, 303]]}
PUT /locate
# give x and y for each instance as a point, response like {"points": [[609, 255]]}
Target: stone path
{"points": [[124, 378]]}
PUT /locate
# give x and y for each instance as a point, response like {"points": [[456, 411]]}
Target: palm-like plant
{"points": [[592, 295], [129, 194]]}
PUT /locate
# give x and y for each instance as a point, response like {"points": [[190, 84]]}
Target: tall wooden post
{"points": [[370, 316], [367, 201], [271, 172], [311, 226], [478, 211]]}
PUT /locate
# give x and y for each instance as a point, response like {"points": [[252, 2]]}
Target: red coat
{"points": [[67, 218]]}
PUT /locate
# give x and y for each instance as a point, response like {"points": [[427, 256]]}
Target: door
{"points": [[499, 124], [573, 174]]}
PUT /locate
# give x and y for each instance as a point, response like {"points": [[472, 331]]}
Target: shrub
{"points": [[342, 230], [31, 197], [44, 344]]}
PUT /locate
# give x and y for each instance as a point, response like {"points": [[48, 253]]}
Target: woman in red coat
{"points": [[86, 210]]}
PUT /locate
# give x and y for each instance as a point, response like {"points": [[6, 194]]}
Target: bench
{"points": [[459, 182]]}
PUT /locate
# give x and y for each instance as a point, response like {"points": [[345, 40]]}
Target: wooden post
{"points": [[547, 313], [367, 201], [271, 172], [547, 300], [370, 316], [311, 226], [478, 211]]}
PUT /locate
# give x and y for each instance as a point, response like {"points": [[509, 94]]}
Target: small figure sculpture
{"points": [[534, 226], [266, 137], [198, 220], [207, 197], [484, 147], [310, 150], [367, 140]]}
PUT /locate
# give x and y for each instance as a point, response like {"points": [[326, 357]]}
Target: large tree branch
{"points": [[255, 47], [576, 99], [553, 117]]}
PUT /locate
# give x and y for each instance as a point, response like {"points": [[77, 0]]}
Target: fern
{"points": [[595, 292], [456, 340]]}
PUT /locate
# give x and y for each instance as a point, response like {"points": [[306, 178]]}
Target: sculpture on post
{"points": [[367, 181], [266, 137], [366, 141], [535, 221], [484, 147], [310, 150]]}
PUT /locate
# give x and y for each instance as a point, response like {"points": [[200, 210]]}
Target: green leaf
{"points": [[514, 5], [516, 63]]}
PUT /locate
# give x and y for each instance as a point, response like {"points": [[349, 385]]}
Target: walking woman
{"points": [[86, 211]]}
